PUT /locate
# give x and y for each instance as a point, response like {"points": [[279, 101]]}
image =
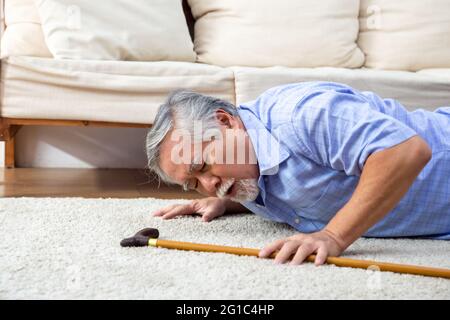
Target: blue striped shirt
{"points": [[311, 141]]}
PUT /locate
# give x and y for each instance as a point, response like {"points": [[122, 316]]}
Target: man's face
{"points": [[224, 166]]}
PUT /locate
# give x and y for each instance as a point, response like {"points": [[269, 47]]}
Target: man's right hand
{"points": [[208, 208]]}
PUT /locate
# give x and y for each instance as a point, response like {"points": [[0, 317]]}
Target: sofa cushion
{"points": [[413, 90], [117, 30], [260, 33], [436, 72], [115, 91], [20, 11], [405, 35], [23, 35]]}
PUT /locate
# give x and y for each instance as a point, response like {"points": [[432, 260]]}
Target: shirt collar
{"points": [[269, 152]]}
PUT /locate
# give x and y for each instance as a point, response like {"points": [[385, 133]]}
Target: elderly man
{"points": [[333, 162]]}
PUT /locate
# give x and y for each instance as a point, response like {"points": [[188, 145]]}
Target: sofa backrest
{"points": [[264, 33], [405, 35], [23, 34]]}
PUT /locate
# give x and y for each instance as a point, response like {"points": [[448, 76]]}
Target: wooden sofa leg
{"points": [[9, 153], [7, 134]]}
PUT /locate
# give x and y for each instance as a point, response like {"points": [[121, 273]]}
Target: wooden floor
{"points": [[86, 183]]}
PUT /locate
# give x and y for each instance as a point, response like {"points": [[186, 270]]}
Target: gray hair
{"points": [[182, 110]]}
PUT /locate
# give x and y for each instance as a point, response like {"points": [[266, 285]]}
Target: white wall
{"points": [[79, 147]]}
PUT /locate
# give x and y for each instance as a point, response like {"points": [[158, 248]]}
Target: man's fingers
{"points": [[184, 209], [286, 251], [321, 257], [208, 216], [302, 253], [180, 210], [267, 251], [162, 211]]}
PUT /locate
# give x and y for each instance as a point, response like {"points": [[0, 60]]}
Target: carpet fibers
{"points": [[68, 248]]}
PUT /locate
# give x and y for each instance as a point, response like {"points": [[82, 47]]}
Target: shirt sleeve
{"points": [[338, 128]]}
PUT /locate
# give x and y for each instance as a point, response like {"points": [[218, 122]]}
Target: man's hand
{"points": [[323, 243], [208, 208]]}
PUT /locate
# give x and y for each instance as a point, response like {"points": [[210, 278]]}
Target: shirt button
{"points": [[259, 206], [297, 220]]}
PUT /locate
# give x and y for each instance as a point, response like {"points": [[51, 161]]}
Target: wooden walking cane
{"points": [[149, 237]]}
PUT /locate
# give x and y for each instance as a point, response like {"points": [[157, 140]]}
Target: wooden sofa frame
{"points": [[10, 126]]}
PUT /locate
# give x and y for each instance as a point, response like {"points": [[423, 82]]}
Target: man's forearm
{"points": [[385, 179]]}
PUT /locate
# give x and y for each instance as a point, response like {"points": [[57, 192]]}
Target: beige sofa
{"points": [[42, 90]]}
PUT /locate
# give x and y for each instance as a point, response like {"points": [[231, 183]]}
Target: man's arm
{"points": [[385, 179], [342, 129]]}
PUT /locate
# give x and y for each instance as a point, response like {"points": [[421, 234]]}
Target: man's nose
{"points": [[210, 183]]}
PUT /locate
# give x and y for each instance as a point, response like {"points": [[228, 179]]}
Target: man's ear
{"points": [[224, 118]]}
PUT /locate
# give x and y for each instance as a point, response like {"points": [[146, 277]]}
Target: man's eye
{"points": [[193, 186]]}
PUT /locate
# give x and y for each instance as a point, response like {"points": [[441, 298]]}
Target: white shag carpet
{"points": [[68, 248]]}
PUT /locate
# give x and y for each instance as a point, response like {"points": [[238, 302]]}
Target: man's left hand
{"points": [[323, 243]]}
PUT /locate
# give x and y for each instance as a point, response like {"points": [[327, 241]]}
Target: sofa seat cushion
{"points": [[413, 90], [115, 91], [436, 72]]}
